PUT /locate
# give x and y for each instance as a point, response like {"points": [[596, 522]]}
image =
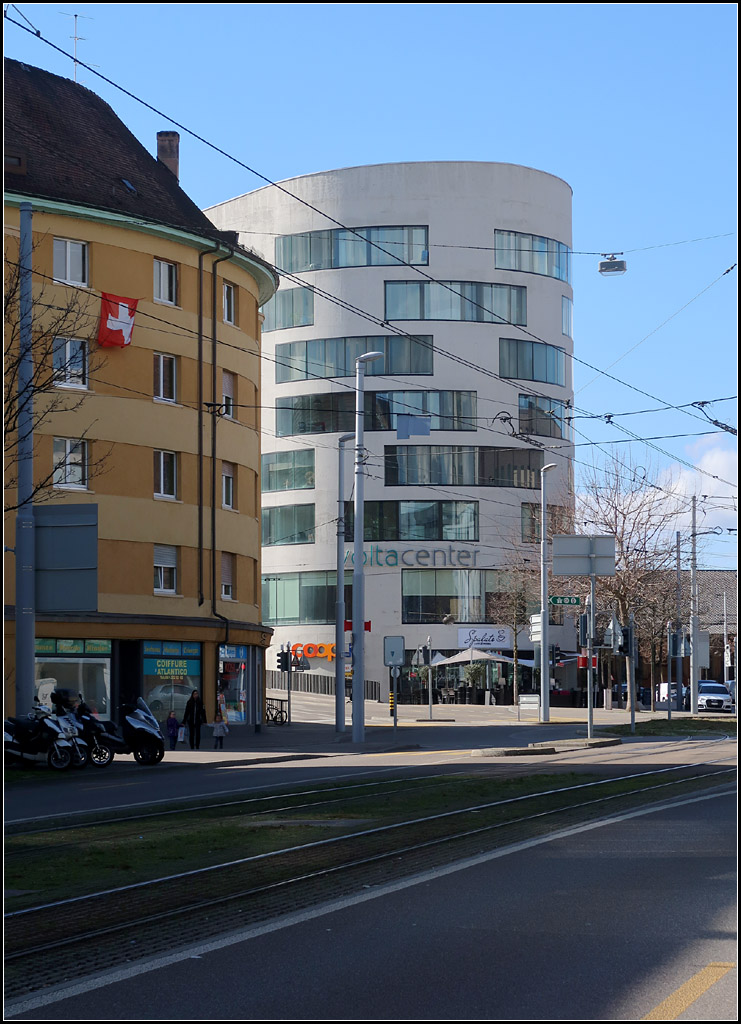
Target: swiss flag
{"points": [[116, 320]]}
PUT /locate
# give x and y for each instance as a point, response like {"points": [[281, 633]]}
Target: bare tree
{"points": [[618, 499], [64, 359]]}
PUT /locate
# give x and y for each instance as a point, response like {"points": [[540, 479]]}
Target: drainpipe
{"points": [[214, 419], [201, 256]]}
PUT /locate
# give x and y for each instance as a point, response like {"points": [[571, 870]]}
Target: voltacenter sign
{"points": [[432, 557]]}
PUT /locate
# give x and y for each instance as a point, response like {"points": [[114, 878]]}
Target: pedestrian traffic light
{"points": [[556, 654], [284, 661]]}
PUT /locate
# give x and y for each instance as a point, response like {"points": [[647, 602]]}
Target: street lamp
{"points": [[545, 710], [339, 628], [358, 581]]}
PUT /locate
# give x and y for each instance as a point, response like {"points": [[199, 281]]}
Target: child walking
{"points": [[172, 725], [221, 729]]}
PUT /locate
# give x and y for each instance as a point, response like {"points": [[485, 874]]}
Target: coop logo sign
{"points": [[314, 651]]}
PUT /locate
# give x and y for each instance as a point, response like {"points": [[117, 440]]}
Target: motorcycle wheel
{"points": [[101, 755], [59, 758], [80, 757], [147, 753]]}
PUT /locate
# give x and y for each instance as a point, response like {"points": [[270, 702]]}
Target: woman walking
{"points": [[194, 717]]}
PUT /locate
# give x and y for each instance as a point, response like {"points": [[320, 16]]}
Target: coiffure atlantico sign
{"points": [[431, 558]]}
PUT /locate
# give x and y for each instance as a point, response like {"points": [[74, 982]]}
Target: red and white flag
{"points": [[116, 320]]}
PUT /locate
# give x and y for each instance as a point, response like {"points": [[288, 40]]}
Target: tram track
{"points": [[141, 920]]}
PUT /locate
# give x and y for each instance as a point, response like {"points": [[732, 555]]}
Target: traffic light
{"points": [[556, 654], [284, 661], [583, 629]]}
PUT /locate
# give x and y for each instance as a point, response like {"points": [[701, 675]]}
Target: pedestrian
{"points": [[220, 729], [194, 717], [172, 725]]}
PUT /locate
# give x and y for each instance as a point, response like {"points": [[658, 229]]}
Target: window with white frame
{"points": [[70, 363], [165, 474], [227, 576], [227, 485], [70, 261], [165, 379], [227, 393], [165, 568], [230, 303], [165, 282], [70, 462]]}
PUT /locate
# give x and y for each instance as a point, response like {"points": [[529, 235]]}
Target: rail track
{"points": [[46, 942]]}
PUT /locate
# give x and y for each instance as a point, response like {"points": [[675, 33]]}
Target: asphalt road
{"points": [[629, 920]]}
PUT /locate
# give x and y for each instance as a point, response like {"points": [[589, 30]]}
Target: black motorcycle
{"points": [[101, 743], [141, 734], [42, 736]]}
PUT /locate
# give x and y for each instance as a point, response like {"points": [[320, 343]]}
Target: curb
{"points": [[535, 749]]}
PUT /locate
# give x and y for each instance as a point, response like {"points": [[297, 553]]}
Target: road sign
{"points": [[583, 555], [535, 633], [393, 650], [564, 600]]}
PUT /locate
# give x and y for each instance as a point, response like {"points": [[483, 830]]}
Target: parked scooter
{"points": [[141, 734], [101, 743], [42, 736]]}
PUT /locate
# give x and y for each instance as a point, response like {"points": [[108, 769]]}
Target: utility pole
{"points": [[694, 653], [678, 629]]}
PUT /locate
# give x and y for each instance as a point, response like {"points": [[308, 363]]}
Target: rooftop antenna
{"points": [[76, 38]]}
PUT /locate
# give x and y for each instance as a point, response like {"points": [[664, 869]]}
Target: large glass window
{"points": [[335, 412], [305, 597], [467, 466], [567, 315], [359, 247], [288, 524], [531, 360], [456, 300], [429, 594], [70, 363], [335, 357], [285, 471], [543, 416], [416, 520], [289, 307], [533, 254], [89, 676]]}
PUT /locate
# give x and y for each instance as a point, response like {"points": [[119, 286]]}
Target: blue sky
{"points": [[632, 104]]}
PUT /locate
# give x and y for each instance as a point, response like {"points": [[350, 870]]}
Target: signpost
{"points": [[393, 658], [564, 600]]}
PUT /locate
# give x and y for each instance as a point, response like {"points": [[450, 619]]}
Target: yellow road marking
{"points": [[686, 994]]}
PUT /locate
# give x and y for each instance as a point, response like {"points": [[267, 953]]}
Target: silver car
{"points": [[714, 697]]}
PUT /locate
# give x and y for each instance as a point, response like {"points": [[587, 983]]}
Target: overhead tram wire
{"points": [[269, 181], [309, 205]]}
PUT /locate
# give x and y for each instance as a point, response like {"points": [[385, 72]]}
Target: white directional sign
{"points": [[583, 556]]}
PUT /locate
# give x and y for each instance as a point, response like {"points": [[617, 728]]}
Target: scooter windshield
{"points": [[143, 711]]}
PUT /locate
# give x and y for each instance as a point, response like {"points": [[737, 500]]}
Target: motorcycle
{"points": [[141, 734], [42, 736], [100, 741]]}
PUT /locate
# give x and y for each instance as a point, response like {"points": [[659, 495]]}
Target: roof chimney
{"points": [[168, 151]]}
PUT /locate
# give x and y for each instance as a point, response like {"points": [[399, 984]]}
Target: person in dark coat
{"points": [[194, 717]]}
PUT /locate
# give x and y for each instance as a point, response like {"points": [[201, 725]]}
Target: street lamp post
{"points": [[545, 710], [358, 581], [339, 629]]}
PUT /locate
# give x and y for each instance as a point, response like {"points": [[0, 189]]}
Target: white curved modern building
{"points": [[460, 273]]}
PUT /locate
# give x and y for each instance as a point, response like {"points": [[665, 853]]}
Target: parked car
{"points": [[713, 696]]}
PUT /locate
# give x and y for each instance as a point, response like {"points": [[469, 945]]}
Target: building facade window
{"points": [[469, 595], [70, 457], [305, 597], [70, 363], [335, 357], [416, 520], [456, 300], [543, 416], [289, 307], [288, 524], [335, 412], [228, 495], [165, 569], [165, 282], [165, 474], [530, 520], [461, 466], [531, 360], [71, 262], [227, 576], [228, 394], [286, 471], [532, 254], [567, 313], [360, 247], [165, 377], [230, 303]]}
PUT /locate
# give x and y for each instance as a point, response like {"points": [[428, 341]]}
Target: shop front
{"points": [[171, 670], [82, 666]]}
